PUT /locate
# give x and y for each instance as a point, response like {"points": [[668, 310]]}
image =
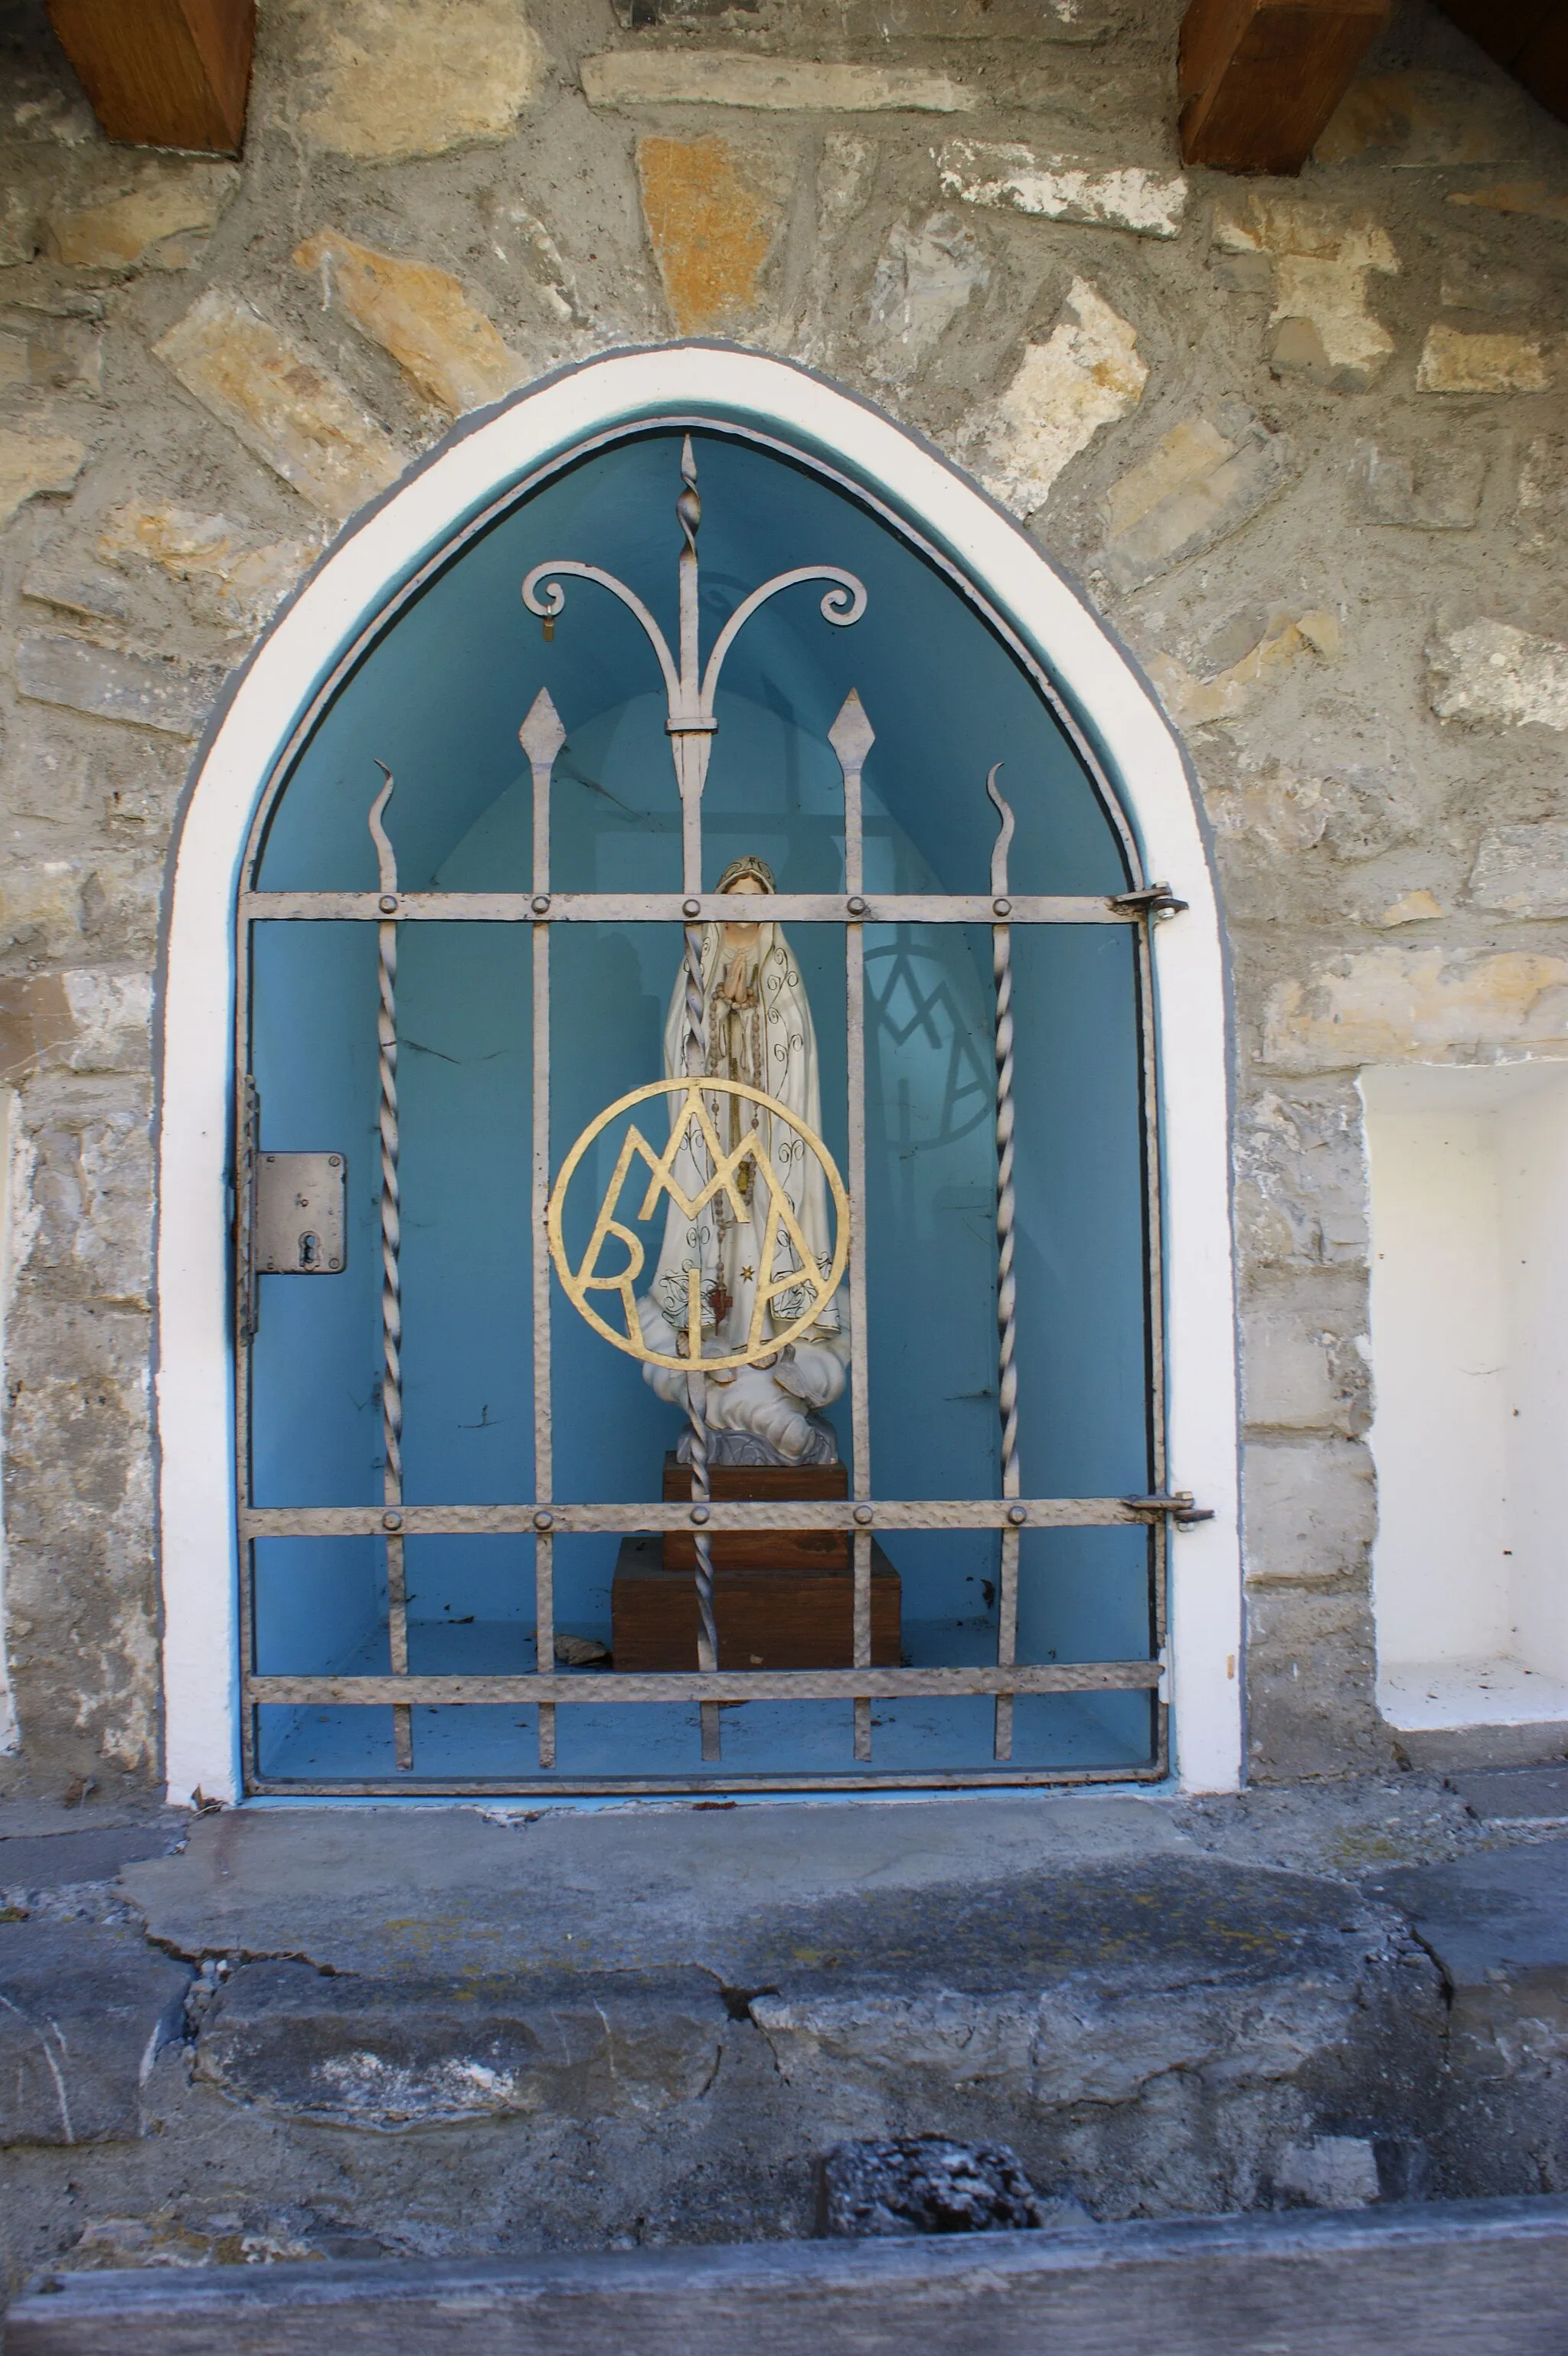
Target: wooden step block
{"points": [[760, 1484], [767, 1619]]}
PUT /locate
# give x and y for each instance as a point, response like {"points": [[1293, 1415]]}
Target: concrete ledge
{"points": [[1420, 2281]]}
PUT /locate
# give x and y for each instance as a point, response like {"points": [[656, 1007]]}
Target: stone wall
{"points": [[1300, 441]]}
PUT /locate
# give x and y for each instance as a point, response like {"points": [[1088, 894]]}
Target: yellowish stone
{"points": [[1416, 907], [1532, 197], [1195, 702], [128, 229], [386, 79], [234, 577], [1324, 328], [34, 462], [711, 229], [1452, 361], [276, 398], [1388, 1005], [420, 314], [1086, 375], [805, 85]]}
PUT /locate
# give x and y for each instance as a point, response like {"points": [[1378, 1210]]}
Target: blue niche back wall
{"points": [[440, 698]]}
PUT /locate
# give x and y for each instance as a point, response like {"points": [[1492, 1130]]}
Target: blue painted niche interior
{"points": [[438, 697]]}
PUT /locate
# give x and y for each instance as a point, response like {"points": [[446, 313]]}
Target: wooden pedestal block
{"points": [[760, 1549], [768, 1619]]}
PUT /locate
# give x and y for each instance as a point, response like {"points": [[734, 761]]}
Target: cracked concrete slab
{"points": [[84, 2009]]}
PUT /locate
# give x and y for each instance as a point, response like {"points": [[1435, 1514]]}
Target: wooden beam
{"points": [[1461, 2279], [163, 74], [1259, 79], [1528, 36]]}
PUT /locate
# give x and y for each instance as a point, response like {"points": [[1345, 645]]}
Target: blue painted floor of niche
{"points": [[653, 1740]]}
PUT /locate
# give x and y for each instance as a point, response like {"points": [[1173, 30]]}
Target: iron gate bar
{"points": [[851, 738], [708, 1686], [1006, 1289], [690, 728], [391, 1270], [827, 1514], [542, 737], [673, 908]]}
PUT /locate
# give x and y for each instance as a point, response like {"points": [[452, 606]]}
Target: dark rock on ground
{"points": [[927, 2184], [84, 2008]]}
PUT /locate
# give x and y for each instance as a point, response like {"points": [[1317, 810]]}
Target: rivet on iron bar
{"points": [[389, 904], [856, 907], [542, 903], [1018, 1513], [863, 1515], [691, 908], [544, 1521], [391, 1521], [700, 1513], [1001, 907]]}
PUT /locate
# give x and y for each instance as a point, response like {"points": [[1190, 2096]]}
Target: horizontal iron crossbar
{"points": [[670, 908], [567, 1521], [713, 1685]]}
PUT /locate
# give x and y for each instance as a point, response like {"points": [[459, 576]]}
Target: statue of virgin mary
{"points": [[758, 1027]]}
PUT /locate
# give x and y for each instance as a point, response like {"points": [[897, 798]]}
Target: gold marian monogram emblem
{"points": [[734, 1175]]}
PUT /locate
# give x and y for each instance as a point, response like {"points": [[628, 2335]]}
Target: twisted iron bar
{"points": [[1006, 1288], [696, 1045], [391, 1270], [391, 1233], [1006, 1291]]}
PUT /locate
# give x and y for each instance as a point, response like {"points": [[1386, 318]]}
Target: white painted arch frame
{"points": [[1099, 681]]}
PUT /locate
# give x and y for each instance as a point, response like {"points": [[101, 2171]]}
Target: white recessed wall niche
{"points": [[1469, 1331]]}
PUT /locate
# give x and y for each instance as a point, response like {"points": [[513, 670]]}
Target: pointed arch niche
{"points": [[1114, 750]]}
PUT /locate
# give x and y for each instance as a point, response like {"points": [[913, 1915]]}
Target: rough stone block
{"points": [[1322, 326], [1204, 481], [710, 228], [174, 697], [421, 315], [169, 201], [1388, 1005], [361, 2052], [1421, 122], [40, 1861], [1227, 694], [83, 2009], [1300, 1375], [279, 400], [385, 79], [1491, 674], [1498, 1926], [32, 462], [1331, 2172], [1301, 1194], [1475, 280], [1422, 489], [1522, 870], [797, 85], [1310, 1510], [1086, 375], [1542, 506], [1311, 1674], [923, 279], [1011, 178], [233, 576], [74, 586], [50, 351], [91, 1200], [1536, 199], [1454, 362]]}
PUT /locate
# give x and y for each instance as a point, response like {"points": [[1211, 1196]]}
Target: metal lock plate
{"points": [[301, 1224]]}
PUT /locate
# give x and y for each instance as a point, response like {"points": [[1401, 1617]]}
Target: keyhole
{"points": [[309, 1250]]}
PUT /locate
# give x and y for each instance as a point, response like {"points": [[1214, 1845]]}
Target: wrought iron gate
{"points": [[308, 1248]]}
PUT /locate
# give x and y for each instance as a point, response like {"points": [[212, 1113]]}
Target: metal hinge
{"points": [[1177, 1502], [1153, 900]]}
